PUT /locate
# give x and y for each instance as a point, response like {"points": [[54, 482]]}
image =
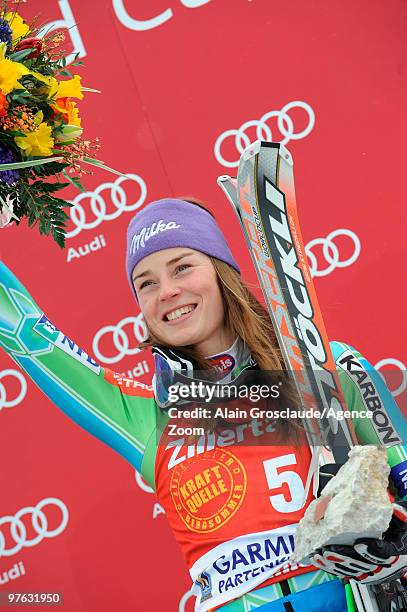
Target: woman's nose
{"points": [[168, 289]]}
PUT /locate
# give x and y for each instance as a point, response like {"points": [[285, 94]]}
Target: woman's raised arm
{"points": [[121, 412]]}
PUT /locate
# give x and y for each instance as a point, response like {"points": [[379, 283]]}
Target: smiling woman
{"points": [[181, 300], [174, 278], [235, 491]]}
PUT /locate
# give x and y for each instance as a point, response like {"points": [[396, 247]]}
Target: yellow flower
{"points": [[50, 83], [70, 89], [37, 143], [18, 26], [73, 117], [10, 72]]}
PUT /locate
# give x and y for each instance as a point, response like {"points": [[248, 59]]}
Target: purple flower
{"points": [[7, 156], [5, 32]]}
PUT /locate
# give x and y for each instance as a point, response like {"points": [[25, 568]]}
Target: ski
{"points": [[263, 199]]}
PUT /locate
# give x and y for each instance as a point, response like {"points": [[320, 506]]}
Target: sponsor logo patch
{"points": [[384, 428], [146, 233], [205, 584], [223, 364], [47, 330]]}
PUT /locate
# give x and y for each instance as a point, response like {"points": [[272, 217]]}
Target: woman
{"points": [[234, 494]]}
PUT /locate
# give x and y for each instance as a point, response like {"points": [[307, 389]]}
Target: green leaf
{"points": [[48, 187], [29, 164], [74, 180], [17, 56], [47, 170], [20, 96], [66, 73], [15, 133], [68, 142], [59, 238], [52, 187], [99, 164]]}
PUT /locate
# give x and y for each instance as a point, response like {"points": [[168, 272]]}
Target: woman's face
{"points": [[180, 299]]}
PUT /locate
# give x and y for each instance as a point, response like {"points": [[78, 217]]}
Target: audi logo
{"points": [[98, 205], [120, 338], [5, 403], [263, 131], [400, 367], [330, 252], [145, 487], [184, 600], [13, 531], [142, 483]]}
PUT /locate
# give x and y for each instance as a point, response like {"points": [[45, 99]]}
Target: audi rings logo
{"points": [[119, 337], [98, 201], [11, 403], [331, 259], [397, 367], [182, 606], [142, 483], [30, 525], [146, 488], [285, 126]]}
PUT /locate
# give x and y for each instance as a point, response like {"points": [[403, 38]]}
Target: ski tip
{"points": [[251, 150], [254, 148], [223, 179], [286, 155]]}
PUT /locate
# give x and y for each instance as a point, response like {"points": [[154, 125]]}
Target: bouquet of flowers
{"points": [[41, 145]]}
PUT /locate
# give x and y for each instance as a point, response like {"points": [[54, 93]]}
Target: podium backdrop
{"points": [[186, 84]]}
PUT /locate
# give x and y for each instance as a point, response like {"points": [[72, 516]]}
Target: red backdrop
{"points": [[185, 84]]}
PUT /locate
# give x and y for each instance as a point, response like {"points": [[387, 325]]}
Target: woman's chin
{"points": [[176, 337], [180, 340]]}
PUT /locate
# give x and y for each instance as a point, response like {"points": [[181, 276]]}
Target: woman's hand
{"points": [[370, 560]]}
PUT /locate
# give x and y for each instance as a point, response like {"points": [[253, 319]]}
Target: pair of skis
{"points": [[263, 199]]}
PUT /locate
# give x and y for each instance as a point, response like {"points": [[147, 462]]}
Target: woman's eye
{"points": [[181, 267], [145, 284]]}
